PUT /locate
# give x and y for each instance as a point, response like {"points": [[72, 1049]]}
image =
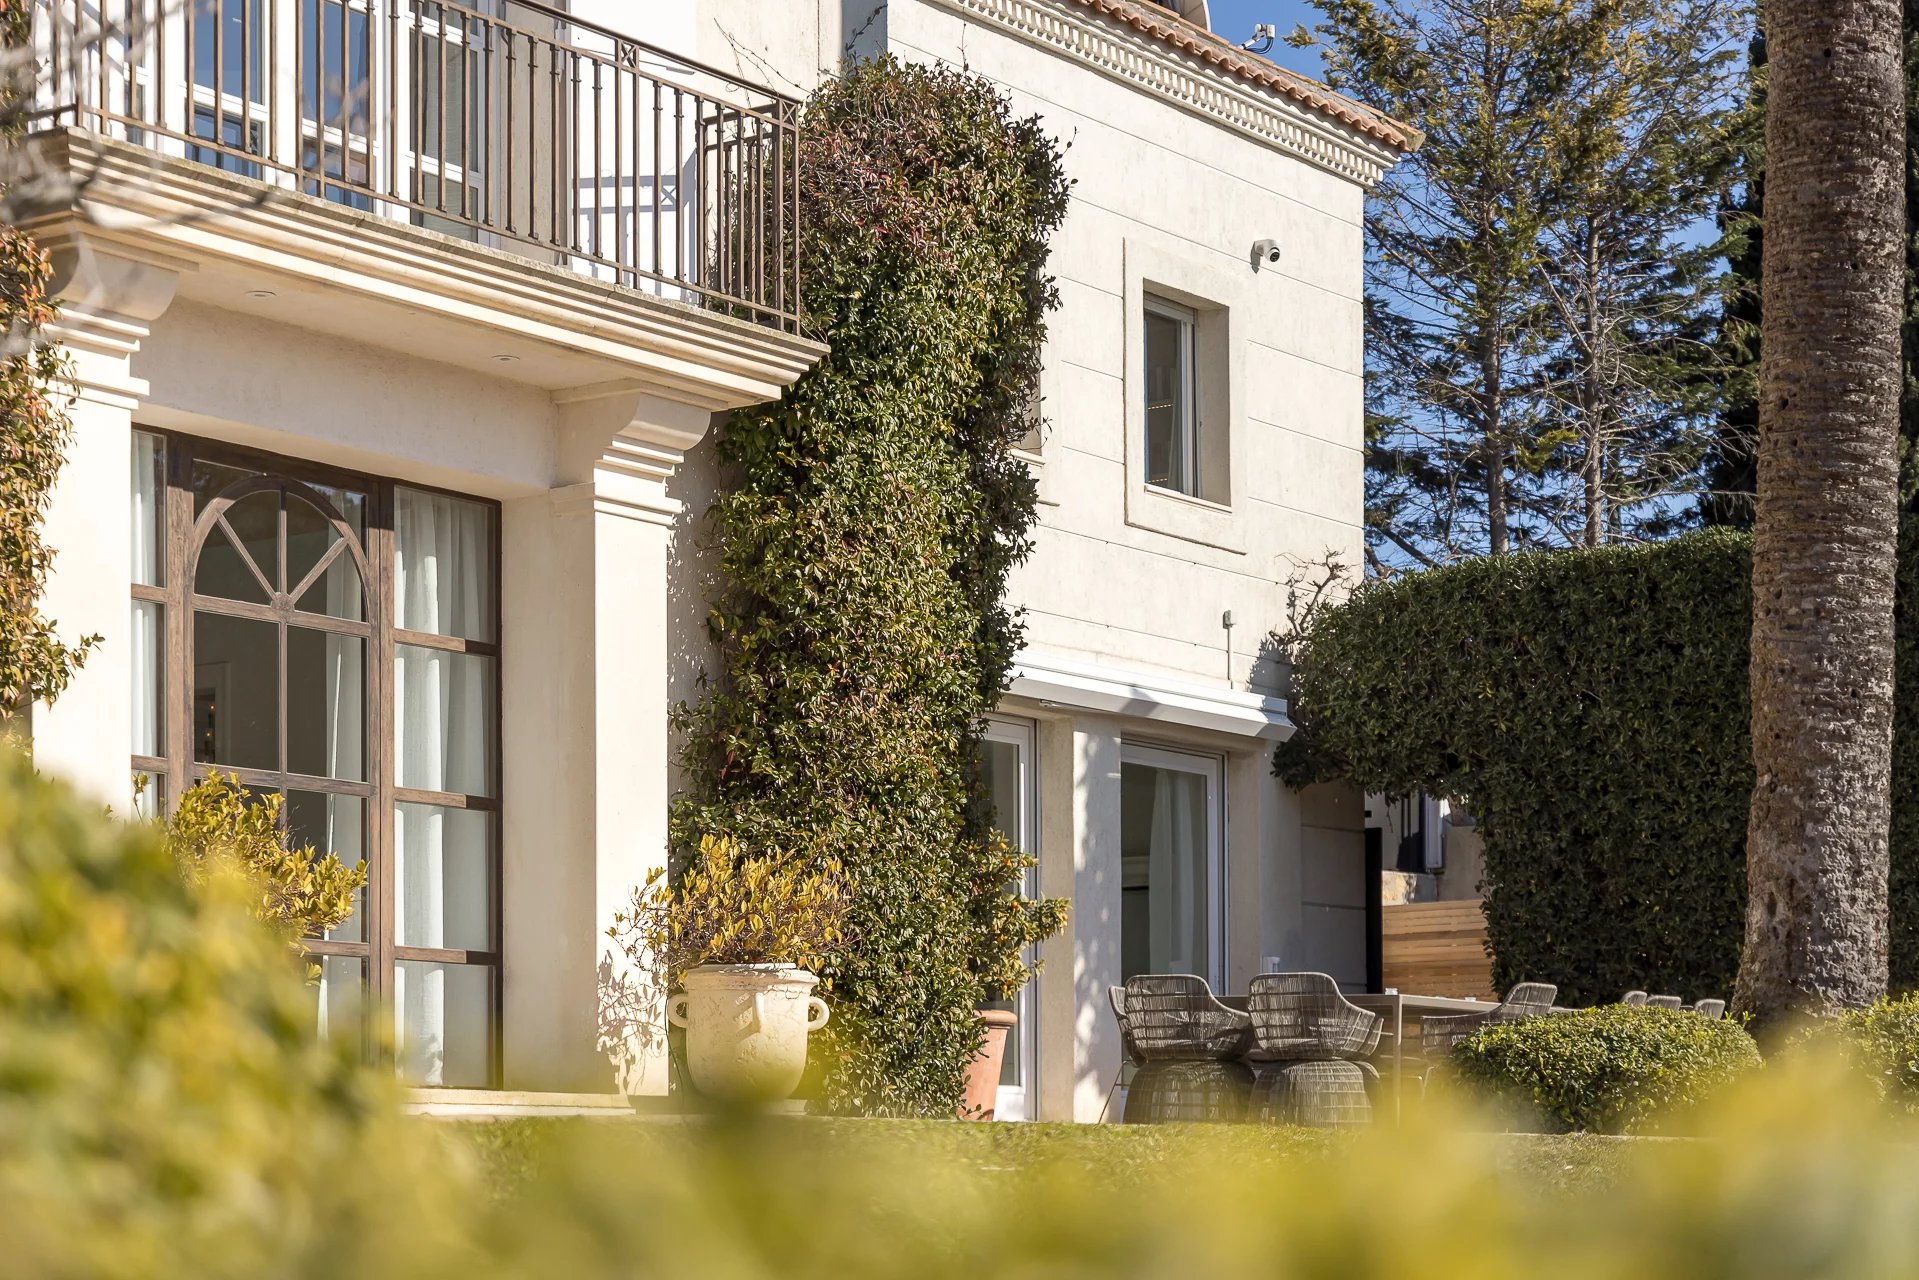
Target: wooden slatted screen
{"points": [[1436, 949]]}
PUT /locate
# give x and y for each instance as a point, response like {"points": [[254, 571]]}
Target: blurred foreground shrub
{"points": [[1794, 1176], [163, 1112], [1613, 1069], [165, 1109]]}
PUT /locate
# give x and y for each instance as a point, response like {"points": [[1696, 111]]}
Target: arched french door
{"points": [[282, 689], [333, 638]]}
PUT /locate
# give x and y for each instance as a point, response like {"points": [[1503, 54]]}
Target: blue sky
{"points": [[1234, 20]]}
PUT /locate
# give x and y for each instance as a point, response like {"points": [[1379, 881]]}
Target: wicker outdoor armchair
{"points": [[1306, 1039], [1665, 1002], [1710, 1008], [1633, 999], [1188, 1043], [1438, 1035]]}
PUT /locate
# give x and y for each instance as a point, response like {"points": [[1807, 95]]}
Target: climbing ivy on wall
{"points": [[34, 428], [1591, 706], [861, 544]]}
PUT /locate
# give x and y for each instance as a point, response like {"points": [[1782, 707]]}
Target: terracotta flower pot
{"points": [[982, 1073], [746, 1027]]}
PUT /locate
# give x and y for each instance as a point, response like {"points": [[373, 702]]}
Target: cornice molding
{"points": [[1189, 82], [1091, 686]]}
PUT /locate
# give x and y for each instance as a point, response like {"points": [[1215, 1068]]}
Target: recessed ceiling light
{"points": [[261, 294], [503, 359]]}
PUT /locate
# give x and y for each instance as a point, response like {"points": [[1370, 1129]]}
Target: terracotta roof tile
{"points": [[1164, 25]]}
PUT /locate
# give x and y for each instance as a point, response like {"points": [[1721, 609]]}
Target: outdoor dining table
{"points": [[1393, 1006]]}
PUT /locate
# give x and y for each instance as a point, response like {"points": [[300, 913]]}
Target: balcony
{"points": [[527, 131]]}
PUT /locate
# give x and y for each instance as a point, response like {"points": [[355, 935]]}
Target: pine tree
{"points": [[1650, 139], [1536, 316]]}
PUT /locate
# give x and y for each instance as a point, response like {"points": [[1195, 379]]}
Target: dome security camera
{"points": [[1265, 254]]}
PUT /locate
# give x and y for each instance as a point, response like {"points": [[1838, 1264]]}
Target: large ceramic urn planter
{"points": [[746, 1027], [983, 1071]]}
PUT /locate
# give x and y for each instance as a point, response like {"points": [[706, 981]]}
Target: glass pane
{"points": [[229, 34], [255, 520], [326, 704], [1000, 764], [335, 68], [236, 691], [443, 1023], [1164, 899], [442, 877], [339, 1001], [310, 535], [443, 564], [149, 509], [335, 825], [211, 479], [221, 572], [148, 651], [1166, 400], [445, 720], [351, 504]]}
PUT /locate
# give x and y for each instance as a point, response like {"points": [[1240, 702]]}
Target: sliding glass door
{"points": [[1007, 762], [1171, 884]]}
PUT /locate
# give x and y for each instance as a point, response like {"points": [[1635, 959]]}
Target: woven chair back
{"points": [[1526, 1000], [1174, 1015], [1116, 996], [1305, 1016]]}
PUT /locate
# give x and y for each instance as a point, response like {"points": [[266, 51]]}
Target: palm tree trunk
{"points": [[1823, 543]]}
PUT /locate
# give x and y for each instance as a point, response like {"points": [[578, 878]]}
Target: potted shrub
{"points": [[1006, 927], [737, 938]]}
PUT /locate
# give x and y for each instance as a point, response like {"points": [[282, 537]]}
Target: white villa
{"points": [[402, 332]]}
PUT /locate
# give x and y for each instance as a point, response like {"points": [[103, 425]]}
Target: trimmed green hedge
{"points": [[1883, 1042], [1591, 706], [1613, 1069]]}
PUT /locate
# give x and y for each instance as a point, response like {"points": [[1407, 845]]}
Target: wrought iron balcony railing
{"points": [[507, 123]]}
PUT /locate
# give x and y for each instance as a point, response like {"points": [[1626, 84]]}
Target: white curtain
{"points": [[148, 498], [1176, 872], [443, 723]]}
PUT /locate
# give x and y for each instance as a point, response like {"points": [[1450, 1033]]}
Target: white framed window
{"points": [[1172, 399], [1008, 760], [1172, 864]]}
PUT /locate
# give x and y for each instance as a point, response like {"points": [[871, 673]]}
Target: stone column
{"points": [[110, 296], [584, 708], [1079, 1045]]}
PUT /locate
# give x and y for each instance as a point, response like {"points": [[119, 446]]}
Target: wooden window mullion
{"points": [[380, 552], [177, 667]]}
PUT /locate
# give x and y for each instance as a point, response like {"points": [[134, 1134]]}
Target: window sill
{"points": [[1176, 495], [1036, 464], [1183, 516]]}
